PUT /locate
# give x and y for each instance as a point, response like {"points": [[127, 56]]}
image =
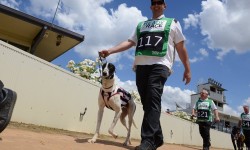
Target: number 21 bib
{"points": [[204, 112]]}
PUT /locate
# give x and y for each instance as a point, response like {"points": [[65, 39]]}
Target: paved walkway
{"points": [[26, 137]]}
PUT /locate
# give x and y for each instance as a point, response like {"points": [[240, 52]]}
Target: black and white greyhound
{"points": [[116, 99]]}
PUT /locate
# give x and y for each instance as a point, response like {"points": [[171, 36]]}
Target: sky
{"points": [[217, 39]]}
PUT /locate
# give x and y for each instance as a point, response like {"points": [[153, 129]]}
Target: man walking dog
{"points": [[156, 40]]}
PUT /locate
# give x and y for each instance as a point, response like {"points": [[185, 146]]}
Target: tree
{"points": [[86, 69]]}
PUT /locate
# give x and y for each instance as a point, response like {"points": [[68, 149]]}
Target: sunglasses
{"points": [[157, 2]]}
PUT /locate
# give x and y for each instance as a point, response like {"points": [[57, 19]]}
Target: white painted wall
{"points": [[48, 95]]}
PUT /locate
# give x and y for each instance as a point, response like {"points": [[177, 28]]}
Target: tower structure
{"points": [[216, 93]]}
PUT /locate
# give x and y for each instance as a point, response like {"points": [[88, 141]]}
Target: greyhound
{"points": [[237, 138], [116, 99]]}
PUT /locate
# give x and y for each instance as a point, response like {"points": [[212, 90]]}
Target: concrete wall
{"points": [[51, 96]]}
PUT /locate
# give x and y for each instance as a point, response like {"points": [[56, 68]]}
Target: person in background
{"points": [[7, 103], [203, 110], [244, 124], [156, 40]]}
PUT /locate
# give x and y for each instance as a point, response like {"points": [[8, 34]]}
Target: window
{"points": [[220, 105], [212, 89]]}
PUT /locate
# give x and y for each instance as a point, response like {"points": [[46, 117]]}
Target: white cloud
{"points": [[228, 110], [173, 95], [224, 24], [127, 85], [192, 20], [247, 101], [240, 108], [194, 60], [42, 9], [203, 52], [10, 3], [117, 27]]}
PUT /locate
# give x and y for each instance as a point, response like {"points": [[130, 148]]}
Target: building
{"points": [[217, 94], [35, 36]]}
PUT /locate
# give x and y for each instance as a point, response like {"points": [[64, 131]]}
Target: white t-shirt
{"points": [[175, 36]]}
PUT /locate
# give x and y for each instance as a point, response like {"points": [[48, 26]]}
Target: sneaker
{"points": [[6, 107]]}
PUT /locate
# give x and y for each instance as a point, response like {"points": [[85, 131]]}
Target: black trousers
{"points": [[204, 128], [150, 80], [247, 137]]}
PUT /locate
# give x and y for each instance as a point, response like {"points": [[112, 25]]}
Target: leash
{"points": [[213, 123], [100, 63], [102, 60]]}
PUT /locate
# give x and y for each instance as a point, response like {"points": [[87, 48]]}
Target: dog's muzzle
{"points": [[104, 74]]}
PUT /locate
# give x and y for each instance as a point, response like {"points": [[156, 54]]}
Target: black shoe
{"points": [[159, 144], [145, 146], [205, 148], [7, 104]]}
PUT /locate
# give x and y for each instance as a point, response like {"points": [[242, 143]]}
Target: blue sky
{"points": [[217, 38]]}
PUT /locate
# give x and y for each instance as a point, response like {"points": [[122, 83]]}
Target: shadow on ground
{"points": [[105, 142]]}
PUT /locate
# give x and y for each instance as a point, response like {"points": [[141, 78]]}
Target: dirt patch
{"points": [[19, 136]]}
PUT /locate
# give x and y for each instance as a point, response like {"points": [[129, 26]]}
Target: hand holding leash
{"points": [[104, 53], [192, 116], [217, 119]]}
